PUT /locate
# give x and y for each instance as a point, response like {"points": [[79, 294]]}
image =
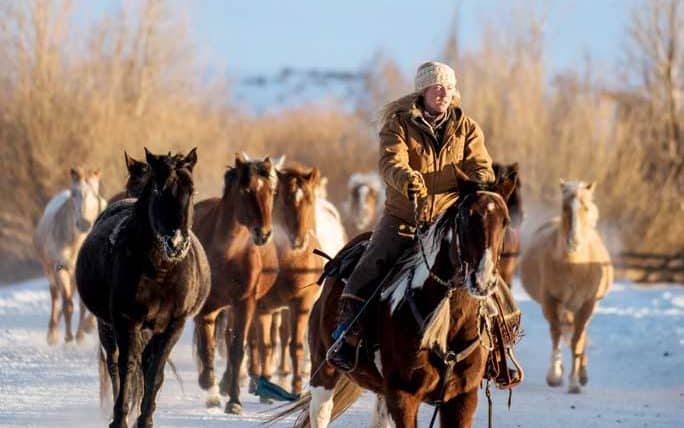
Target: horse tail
{"points": [[345, 394]]}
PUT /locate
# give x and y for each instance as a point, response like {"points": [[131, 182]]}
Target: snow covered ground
{"points": [[636, 371]]}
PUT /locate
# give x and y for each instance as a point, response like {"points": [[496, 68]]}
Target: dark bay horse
{"points": [[142, 272], [511, 247], [445, 281], [299, 267], [235, 231]]}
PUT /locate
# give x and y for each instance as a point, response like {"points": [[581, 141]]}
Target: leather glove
{"points": [[416, 186]]}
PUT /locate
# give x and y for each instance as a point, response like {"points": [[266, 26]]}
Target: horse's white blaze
{"points": [[299, 195], [485, 271], [321, 406], [491, 206], [380, 417], [177, 238], [378, 361]]}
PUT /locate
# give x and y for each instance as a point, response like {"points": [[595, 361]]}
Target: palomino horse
{"points": [[444, 281], [366, 200], [567, 269], [235, 231], [295, 287], [138, 173], [142, 273], [61, 230], [511, 247]]}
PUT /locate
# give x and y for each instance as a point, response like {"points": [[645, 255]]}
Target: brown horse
{"points": [[511, 247], [235, 231], [295, 287], [60, 232], [138, 173], [444, 281], [142, 272], [567, 269]]}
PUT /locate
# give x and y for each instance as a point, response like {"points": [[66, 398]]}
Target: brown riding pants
{"points": [[391, 237]]}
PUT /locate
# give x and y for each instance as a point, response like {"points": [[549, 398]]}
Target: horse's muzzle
{"points": [[83, 225], [480, 288], [260, 236], [175, 246]]}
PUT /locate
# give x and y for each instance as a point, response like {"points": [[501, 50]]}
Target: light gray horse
{"points": [[66, 221]]}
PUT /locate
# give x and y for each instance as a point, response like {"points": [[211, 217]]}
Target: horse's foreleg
{"points": [[299, 314], [284, 333], [154, 359], [63, 279], [130, 342], [55, 312], [243, 311], [459, 411], [206, 342], [403, 408], [552, 312], [579, 376]]}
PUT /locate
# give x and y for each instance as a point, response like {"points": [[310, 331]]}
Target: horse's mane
{"points": [[412, 262]]}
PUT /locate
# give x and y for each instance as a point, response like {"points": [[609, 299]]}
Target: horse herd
{"points": [[243, 267]]}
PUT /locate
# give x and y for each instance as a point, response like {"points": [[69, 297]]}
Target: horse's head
{"points": [[85, 197], [579, 213], [252, 185], [514, 202], [168, 201], [364, 192], [295, 203], [138, 173], [480, 222]]}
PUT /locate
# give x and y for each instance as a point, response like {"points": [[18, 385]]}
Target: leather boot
{"points": [[344, 356]]}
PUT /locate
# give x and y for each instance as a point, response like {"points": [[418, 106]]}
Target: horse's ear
{"points": [[240, 158], [507, 186], [591, 186], [76, 174], [515, 167], [96, 173], [130, 162], [562, 182], [190, 159], [313, 176]]}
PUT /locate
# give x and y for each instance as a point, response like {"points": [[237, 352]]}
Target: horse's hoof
{"points": [[554, 381], [252, 386], [284, 372], [233, 409], [265, 400], [53, 337], [584, 377], [80, 336], [213, 402], [574, 389], [69, 338], [144, 423], [297, 386]]}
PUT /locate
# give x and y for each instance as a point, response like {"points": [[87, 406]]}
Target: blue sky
{"points": [[261, 36]]}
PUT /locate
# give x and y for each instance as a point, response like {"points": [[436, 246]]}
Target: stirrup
{"points": [[333, 353]]}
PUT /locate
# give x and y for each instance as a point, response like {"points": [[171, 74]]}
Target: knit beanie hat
{"points": [[434, 73]]}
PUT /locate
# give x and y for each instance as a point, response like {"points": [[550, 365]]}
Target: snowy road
{"points": [[636, 371]]}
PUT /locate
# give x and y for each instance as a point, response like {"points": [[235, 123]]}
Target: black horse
{"points": [[142, 272]]}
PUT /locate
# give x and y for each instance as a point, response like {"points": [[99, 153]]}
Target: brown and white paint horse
{"points": [[60, 232], [567, 270], [457, 266]]}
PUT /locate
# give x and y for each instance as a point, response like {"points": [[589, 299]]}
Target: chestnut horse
{"points": [[567, 269], [235, 231], [511, 246], [60, 232], [444, 281], [299, 267], [142, 272]]}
